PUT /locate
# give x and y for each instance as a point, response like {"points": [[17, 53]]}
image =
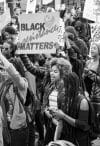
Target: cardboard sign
{"points": [[38, 33], [95, 32], [61, 33], [89, 12], [45, 2]]}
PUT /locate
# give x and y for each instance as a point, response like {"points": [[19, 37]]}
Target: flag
{"points": [[31, 5]]}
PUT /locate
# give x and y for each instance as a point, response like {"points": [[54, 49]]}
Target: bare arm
{"points": [[82, 121]]}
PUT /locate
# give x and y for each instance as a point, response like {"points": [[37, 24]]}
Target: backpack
{"points": [[29, 101]]}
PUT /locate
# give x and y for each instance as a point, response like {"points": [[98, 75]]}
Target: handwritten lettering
{"points": [[96, 35], [40, 34]]}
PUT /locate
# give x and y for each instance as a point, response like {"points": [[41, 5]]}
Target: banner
{"points": [[38, 33], [31, 5]]}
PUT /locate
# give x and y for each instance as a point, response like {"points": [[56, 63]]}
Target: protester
{"points": [[41, 73], [64, 84], [79, 42], [91, 78], [76, 125], [17, 126]]}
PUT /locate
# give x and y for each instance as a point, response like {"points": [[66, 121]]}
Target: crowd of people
{"points": [[52, 96]]}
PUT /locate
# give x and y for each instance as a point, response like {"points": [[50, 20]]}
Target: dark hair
{"points": [[13, 48], [62, 13], [16, 18], [10, 30], [72, 30], [71, 83]]}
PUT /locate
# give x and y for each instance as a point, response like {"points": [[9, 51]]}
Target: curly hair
{"points": [[63, 65]]}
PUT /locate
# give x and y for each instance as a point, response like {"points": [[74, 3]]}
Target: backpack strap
{"points": [[91, 117], [22, 102]]}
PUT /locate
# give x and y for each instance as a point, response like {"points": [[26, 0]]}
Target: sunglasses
{"points": [[5, 48]]}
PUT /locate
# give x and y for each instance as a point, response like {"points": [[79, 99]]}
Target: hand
{"points": [[91, 75], [86, 70], [47, 112], [58, 114]]}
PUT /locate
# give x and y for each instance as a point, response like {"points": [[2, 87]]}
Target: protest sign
{"points": [[95, 32], [88, 12], [45, 2], [92, 10], [31, 5], [61, 33], [57, 4], [38, 33], [23, 5]]}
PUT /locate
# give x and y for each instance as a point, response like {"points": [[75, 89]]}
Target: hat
{"points": [[11, 30]]}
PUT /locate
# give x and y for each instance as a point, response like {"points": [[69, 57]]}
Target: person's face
{"points": [[94, 50], [6, 51], [67, 16], [54, 73], [13, 39], [13, 20]]}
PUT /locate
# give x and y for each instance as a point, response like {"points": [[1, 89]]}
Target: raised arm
{"points": [[37, 71], [20, 82]]}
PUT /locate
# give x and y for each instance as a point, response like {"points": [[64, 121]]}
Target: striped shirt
{"points": [[53, 99]]}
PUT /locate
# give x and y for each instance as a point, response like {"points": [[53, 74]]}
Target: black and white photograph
{"points": [[49, 72]]}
